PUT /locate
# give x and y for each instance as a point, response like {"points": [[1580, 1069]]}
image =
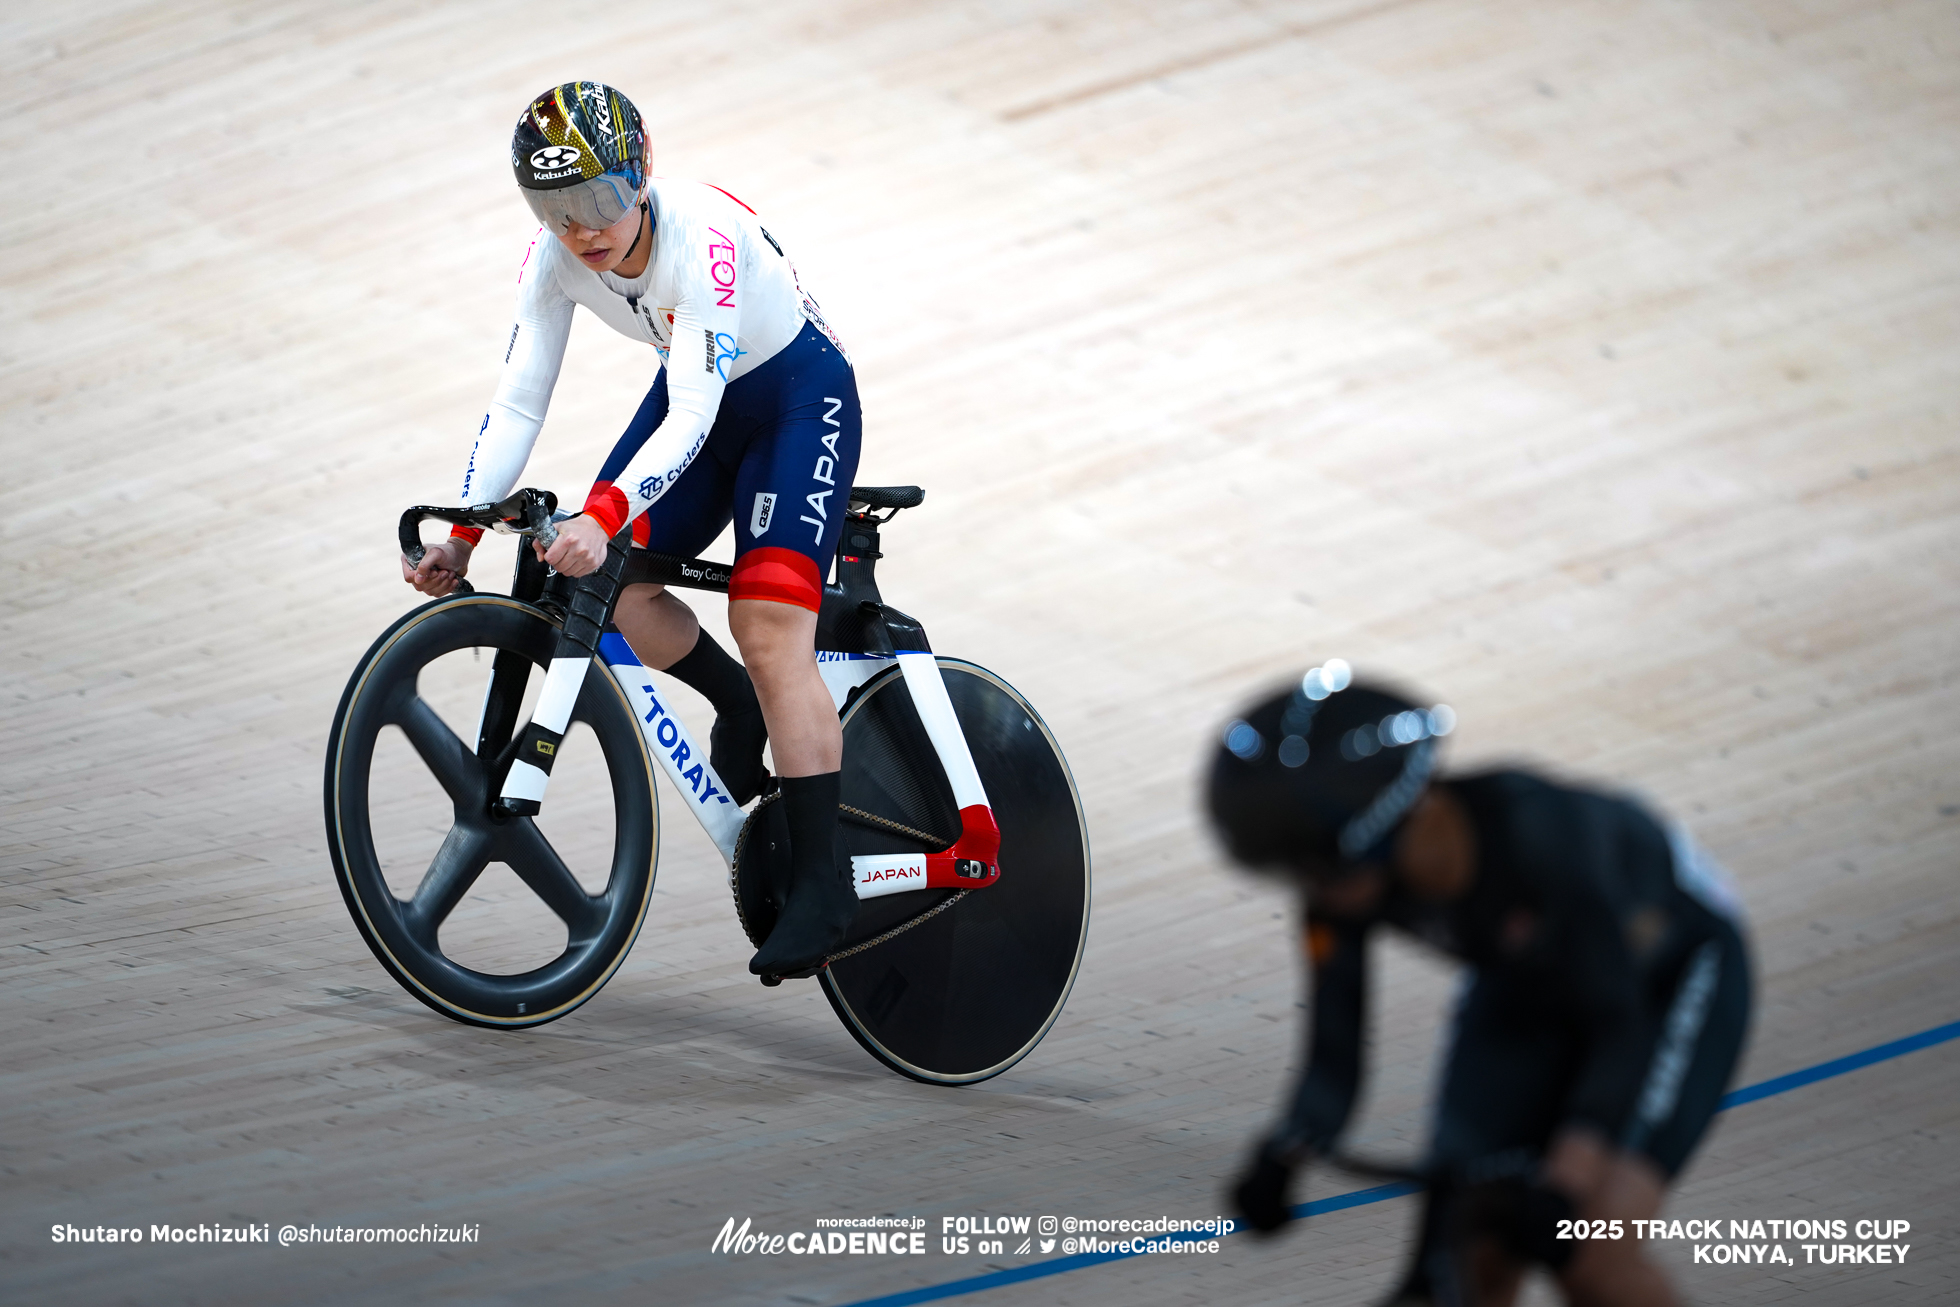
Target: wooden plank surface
{"points": [[1591, 366]]}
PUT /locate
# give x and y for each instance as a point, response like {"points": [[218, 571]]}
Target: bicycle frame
{"points": [[969, 864], [866, 638]]}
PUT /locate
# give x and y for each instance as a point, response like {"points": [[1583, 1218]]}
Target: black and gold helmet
{"points": [[580, 156]]}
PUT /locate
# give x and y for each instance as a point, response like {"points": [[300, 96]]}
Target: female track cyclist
{"points": [[753, 415]]}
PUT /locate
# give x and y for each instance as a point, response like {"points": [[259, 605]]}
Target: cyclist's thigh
{"points": [[692, 513], [1717, 1047], [1511, 1064], [695, 508], [795, 477]]}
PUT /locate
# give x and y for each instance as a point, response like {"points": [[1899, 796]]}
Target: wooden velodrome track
{"points": [[1591, 366]]}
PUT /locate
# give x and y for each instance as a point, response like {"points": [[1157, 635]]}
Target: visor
{"points": [[595, 204]]}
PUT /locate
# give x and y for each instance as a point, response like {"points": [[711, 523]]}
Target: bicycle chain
{"points": [[897, 930], [886, 823]]}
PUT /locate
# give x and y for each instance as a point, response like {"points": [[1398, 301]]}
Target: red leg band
{"points": [[780, 575]]}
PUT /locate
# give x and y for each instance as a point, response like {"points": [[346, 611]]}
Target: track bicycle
{"points": [[962, 821]]}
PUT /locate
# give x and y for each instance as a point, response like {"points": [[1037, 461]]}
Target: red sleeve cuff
{"points": [[606, 505], [473, 534]]}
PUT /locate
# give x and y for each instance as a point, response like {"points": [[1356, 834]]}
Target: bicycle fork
{"points": [[667, 739], [578, 642]]}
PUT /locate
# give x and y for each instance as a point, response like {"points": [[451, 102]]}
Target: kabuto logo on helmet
{"points": [[580, 156], [595, 97]]}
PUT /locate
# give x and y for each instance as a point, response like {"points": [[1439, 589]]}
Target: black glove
{"points": [[1523, 1216], [1260, 1194], [1540, 1211]]}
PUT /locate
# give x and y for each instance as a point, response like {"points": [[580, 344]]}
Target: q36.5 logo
{"points": [[554, 156]]}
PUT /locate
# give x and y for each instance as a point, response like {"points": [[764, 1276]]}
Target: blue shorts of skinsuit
{"points": [[778, 460]]}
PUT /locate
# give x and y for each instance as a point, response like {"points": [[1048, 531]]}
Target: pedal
{"points": [[771, 981]]}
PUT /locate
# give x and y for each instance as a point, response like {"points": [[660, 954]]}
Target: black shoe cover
{"points": [[735, 751], [822, 894], [813, 924]]}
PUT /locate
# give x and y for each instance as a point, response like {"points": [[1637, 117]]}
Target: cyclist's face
{"points": [[1436, 850], [605, 248]]}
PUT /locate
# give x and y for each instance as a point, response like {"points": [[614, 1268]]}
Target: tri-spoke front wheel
{"points": [[416, 909]]}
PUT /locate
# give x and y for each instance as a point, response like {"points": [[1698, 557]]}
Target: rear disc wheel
{"points": [[967, 993]]}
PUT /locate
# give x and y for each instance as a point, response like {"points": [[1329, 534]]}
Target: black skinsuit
{"points": [[1603, 993]]}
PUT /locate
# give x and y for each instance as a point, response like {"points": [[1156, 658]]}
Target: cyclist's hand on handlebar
{"points": [[1260, 1194], [443, 565], [579, 549]]}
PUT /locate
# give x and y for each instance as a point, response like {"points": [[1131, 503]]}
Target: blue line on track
{"points": [[1825, 1070], [1059, 1265], [1382, 1193]]}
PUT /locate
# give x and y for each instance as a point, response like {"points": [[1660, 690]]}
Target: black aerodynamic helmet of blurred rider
{"points": [[579, 153], [1322, 774]]}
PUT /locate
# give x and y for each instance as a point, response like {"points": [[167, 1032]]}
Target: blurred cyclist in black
{"points": [[1608, 987]]}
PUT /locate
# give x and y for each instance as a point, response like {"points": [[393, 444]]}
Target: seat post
{"points": [[854, 618], [857, 559]]}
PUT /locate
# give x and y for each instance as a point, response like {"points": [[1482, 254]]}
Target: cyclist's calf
{"points": [[666, 636], [778, 643]]}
